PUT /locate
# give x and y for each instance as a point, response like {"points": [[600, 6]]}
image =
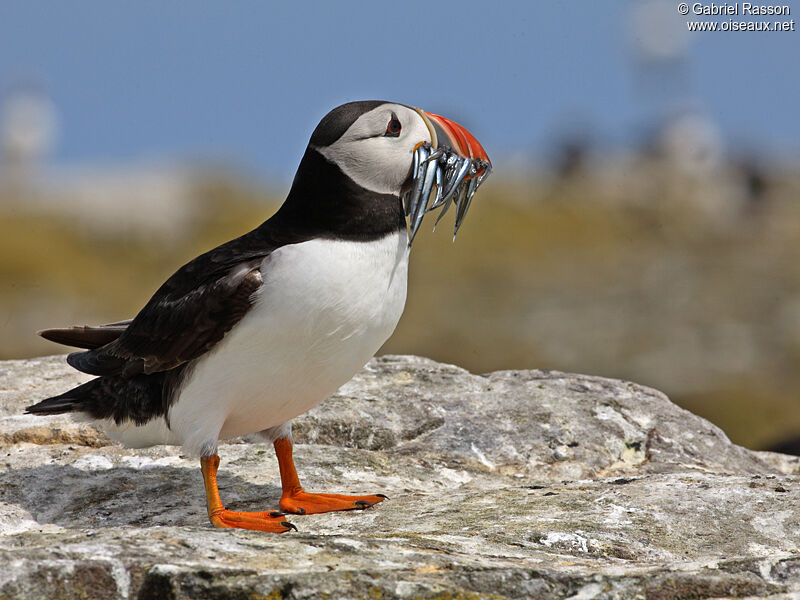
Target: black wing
{"points": [[171, 330], [86, 336], [190, 313]]}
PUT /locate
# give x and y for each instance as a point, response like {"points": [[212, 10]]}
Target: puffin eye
{"points": [[394, 127]]}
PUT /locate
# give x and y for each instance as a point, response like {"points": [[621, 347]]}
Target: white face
{"points": [[371, 155]]}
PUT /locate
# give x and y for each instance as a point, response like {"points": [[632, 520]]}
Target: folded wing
{"points": [[173, 328]]}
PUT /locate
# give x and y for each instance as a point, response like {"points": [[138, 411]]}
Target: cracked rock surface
{"points": [[515, 484]]}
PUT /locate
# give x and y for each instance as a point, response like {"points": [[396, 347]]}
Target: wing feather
{"points": [[190, 313], [86, 336], [173, 329]]}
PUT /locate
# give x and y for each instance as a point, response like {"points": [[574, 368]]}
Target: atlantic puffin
{"points": [[261, 329]]}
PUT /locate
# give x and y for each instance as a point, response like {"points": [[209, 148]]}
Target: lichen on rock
{"points": [[515, 484]]}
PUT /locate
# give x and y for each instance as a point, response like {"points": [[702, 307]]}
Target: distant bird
{"points": [[259, 330]]}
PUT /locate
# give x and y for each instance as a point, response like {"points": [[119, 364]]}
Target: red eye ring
{"points": [[394, 127]]}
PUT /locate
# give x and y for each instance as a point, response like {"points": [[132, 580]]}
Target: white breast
{"points": [[325, 308]]}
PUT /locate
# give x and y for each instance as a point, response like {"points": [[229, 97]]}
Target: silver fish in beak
{"points": [[446, 171]]}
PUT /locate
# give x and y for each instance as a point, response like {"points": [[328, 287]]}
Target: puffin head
{"points": [[398, 150]]}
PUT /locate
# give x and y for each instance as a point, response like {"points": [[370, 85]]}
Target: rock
{"points": [[516, 484]]}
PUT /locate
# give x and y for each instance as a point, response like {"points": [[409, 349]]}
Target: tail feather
{"points": [[52, 406], [70, 401], [138, 399]]}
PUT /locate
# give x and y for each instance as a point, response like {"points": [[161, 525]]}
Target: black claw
{"points": [[300, 511], [276, 513], [289, 525], [363, 504], [382, 496]]}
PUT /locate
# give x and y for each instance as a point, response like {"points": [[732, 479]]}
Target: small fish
{"points": [[456, 178]]}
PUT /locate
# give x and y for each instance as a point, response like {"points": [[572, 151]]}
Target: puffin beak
{"points": [[454, 164], [447, 133]]}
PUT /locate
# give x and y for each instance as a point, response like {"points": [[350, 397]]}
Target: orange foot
{"points": [[301, 502], [296, 500], [272, 521]]}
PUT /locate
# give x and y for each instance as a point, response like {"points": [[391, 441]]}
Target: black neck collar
{"points": [[325, 202]]}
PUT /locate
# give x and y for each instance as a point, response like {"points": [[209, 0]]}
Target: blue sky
{"points": [[246, 82]]}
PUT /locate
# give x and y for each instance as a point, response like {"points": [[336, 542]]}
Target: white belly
{"points": [[325, 308]]}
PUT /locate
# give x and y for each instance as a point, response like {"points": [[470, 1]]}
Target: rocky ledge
{"points": [[515, 484]]}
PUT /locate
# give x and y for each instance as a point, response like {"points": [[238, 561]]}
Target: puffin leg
{"points": [[272, 521], [296, 500]]}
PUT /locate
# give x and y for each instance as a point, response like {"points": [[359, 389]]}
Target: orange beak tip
{"points": [[461, 140]]}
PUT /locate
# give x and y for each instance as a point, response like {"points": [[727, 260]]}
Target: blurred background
{"points": [[642, 221]]}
